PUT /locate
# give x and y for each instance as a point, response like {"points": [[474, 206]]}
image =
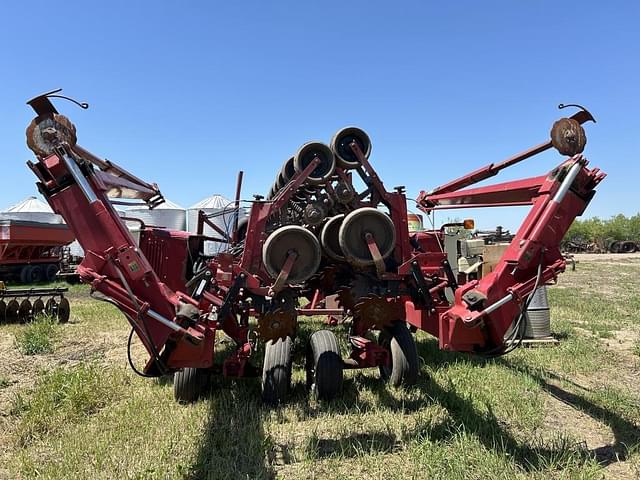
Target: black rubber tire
{"points": [[188, 385], [324, 366], [276, 371], [353, 228], [25, 274], [628, 247], [50, 272], [36, 274], [615, 247], [292, 237], [405, 365]]}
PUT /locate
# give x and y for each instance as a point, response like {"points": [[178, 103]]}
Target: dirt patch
{"points": [[610, 258], [591, 435], [624, 342], [621, 470], [562, 417]]}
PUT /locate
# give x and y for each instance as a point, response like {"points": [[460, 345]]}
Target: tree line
{"points": [[604, 231]]}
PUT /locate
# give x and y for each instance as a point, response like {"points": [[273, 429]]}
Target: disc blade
{"points": [[64, 310], [51, 307], [38, 307], [11, 313], [24, 312]]}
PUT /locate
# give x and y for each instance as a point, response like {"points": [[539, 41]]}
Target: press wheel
{"points": [[353, 231], [404, 366], [341, 146], [292, 238], [188, 384], [324, 366], [305, 156], [3, 311], [330, 239]]}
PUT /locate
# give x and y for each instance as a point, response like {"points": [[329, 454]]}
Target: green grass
{"points": [[63, 397], [37, 337], [565, 412]]}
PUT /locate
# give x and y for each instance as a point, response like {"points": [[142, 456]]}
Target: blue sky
{"points": [[186, 93]]}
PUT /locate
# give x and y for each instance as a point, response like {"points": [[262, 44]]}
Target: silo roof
{"points": [[30, 204], [214, 201]]}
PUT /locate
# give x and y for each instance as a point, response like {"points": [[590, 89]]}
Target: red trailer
{"points": [[31, 251]]}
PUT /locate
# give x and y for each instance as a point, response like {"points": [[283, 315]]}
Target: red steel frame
{"points": [[469, 326], [484, 310], [179, 330], [116, 267]]}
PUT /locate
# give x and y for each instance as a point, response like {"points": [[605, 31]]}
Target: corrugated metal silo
{"points": [[32, 209], [168, 215], [222, 214]]}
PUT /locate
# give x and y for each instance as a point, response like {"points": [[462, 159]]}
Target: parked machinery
{"points": [[328, 228], [21, 305], [623, 246], [31, 251]]}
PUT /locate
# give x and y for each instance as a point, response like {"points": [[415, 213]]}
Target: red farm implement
{"points": [[328, 234], [31, 251]]}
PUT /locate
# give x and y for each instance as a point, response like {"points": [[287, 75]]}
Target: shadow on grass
{"points": [[626, 434], [352, 445], [234, 445], [489, 431]]}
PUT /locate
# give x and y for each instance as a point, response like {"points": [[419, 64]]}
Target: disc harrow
{"points": [[22, 305]]}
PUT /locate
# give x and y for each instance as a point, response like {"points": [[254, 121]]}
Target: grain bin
{"points": [[221, 213], [75, 249], [168, 215], [32, 210]]}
